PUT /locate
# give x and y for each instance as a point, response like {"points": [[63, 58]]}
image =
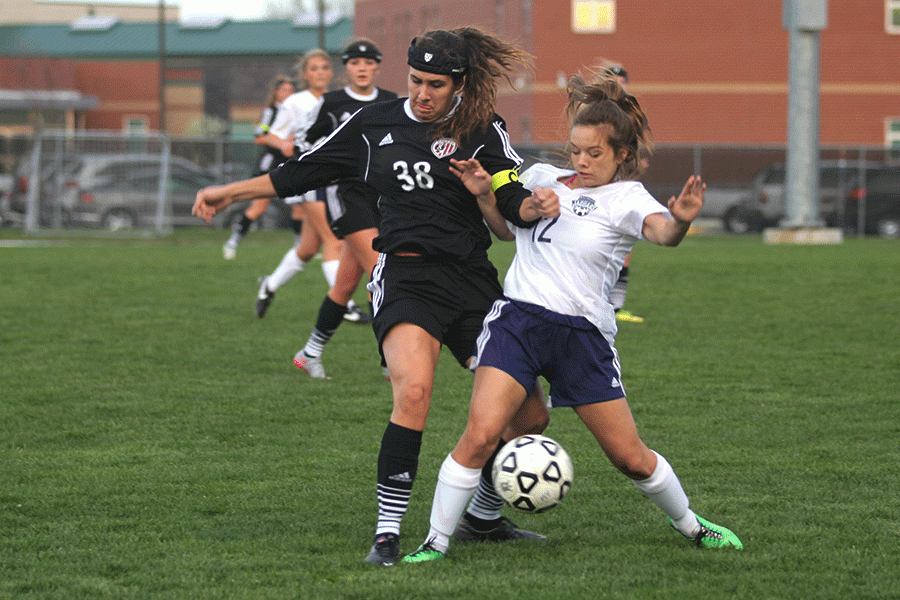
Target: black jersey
{"points": [[269, 157], [424, 207], [338, 106]]}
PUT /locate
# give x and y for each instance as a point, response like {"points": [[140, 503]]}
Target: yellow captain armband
{"points": [[498, 180]]}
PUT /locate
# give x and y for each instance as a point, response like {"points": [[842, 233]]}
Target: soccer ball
{"points": [[532, 473]]}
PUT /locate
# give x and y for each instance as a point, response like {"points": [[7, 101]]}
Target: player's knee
{"points": [[479, 442], [413, 401], [632, 462]]}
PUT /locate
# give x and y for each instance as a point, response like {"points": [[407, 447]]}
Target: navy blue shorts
{"points": [[525, 340]]}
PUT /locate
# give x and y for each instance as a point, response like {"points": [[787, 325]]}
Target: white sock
{"points": [[665, 490], [289, 266], [330, 267], [454, 489]]}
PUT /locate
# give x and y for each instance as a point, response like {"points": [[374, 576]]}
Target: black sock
{"points": [[330, 316], [244, 225], [398, 461], [486, 499]]}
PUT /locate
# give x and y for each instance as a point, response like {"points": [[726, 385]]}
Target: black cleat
{"points": [[355, 314], [263, 298], [384, 551], [503, 531]]}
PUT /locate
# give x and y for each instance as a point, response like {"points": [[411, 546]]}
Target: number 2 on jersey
{"points": [[542, 236]]}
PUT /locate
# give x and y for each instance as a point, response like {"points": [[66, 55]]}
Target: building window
{"points": [[593, 16], [135, 124], [892, 16], [892, 136]]}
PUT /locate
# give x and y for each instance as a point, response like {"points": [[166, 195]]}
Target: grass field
{"points": [[158, 443]]}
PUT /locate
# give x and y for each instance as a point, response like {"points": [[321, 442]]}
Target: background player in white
{"points": [[281, 88], [556, 321], [289, 132]]}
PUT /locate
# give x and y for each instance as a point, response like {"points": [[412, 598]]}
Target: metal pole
{"points": [[804, 19], [163, 211], [321, 9], [34, 185], [162, 66]]}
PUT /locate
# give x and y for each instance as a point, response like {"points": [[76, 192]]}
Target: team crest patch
{"points": [[583, 205], [443, 147]]}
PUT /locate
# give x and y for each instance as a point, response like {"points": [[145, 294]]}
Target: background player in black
{"points": [[351, 212], [433, 284], [281, 87]]}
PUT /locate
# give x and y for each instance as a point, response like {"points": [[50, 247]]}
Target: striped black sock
{"points": [[398, 462]]}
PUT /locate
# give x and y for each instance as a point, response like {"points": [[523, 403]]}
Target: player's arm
{"points": [[478, 181], [669, 231], [321, 126], [211, 200], [542, 204]]}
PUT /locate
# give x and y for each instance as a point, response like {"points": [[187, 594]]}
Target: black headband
{"points": [[434, 61], [361, 50]]}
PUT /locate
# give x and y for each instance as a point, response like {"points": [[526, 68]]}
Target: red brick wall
{"points": [[707, 71]]}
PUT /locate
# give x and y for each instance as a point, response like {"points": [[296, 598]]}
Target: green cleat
{"points": [[624, 315], [424, 553], [714, 536]]}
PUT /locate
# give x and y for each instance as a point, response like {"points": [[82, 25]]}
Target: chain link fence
{"points": [[109, 181]]}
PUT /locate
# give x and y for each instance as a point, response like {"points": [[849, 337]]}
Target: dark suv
{"points": [[767, 205], [879, 203]]}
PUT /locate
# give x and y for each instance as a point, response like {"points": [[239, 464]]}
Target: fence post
{"points": [[34, 185], [162, 226], [861, 203]]}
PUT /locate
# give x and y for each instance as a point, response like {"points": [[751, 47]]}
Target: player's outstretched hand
{"points": [[473, 176], [687, 205], [209, 201]]}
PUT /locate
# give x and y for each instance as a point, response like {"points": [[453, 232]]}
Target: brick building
{"points": [[101, 72], [706, 71]]}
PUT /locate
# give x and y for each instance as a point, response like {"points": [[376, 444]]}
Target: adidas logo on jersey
{"points": [[345, 116], [388, 139], [615, 383], [402, 477]]}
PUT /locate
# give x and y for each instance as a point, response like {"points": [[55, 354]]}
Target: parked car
{"points": [[131, 200], [880, 199], [766, 204]]}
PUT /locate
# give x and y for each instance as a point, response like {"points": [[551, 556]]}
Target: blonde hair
{"points": [[603, 101], [303, 63]]}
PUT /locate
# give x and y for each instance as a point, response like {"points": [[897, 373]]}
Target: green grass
{"points": [[158, 443]]}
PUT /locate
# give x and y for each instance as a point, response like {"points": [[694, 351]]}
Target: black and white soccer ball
{"points": [[532, 473]]}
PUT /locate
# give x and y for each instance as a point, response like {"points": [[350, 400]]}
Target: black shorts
{"points": [[352, 209], [447, 299]]}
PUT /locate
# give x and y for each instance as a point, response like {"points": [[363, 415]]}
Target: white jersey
{"points": [[569, 264], [297, 114]]}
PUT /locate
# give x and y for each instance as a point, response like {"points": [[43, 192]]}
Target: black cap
{"points": [[361, 49]]}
